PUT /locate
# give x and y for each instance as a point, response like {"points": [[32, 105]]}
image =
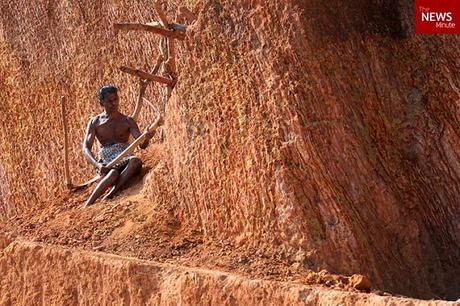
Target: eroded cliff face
{"points": [[36, 274], [323, 129], [339, 141]]}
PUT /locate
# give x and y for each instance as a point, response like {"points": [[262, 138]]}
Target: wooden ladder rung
{"points": [[152, 27], [173, 26], [147, 76]]}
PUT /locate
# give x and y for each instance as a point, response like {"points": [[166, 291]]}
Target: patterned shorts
{"points": [[109, 153]]}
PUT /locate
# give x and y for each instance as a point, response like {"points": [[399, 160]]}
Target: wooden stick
{"points": [[68, 181], [82, 185], [143, 86], [149, 103], [161, 14], [187, 14], [172, 26], [164, 47], [157, 65], [148, 76], [136, 142], [157, 29], [137, 108], [171, 63]]}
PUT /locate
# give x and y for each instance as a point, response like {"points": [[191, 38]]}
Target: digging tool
{"points": [[68, 181]]}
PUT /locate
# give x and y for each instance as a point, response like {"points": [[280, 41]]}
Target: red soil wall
{"points": [[324, 127]]}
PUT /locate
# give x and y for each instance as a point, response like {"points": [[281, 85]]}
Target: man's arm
{"points": [[134, 130], [88, 142]]}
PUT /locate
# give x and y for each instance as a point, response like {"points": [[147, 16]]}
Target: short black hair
{"points": [[104, 90]]}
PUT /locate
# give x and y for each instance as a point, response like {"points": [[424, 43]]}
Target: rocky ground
{"points": [[129, 226], [36, 274]]}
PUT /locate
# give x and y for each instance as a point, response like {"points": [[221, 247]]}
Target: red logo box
{"points": [[437, 16]]}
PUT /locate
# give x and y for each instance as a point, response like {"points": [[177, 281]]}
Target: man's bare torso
{"points": [[112, 130]]}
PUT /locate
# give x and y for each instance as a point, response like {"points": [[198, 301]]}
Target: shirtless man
{"points": [[112, 129]]}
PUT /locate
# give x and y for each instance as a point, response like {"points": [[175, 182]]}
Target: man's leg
{"points": [[134, 167], [103, 185]]}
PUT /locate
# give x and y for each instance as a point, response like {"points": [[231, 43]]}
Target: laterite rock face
{"points": [[37, 274], [324, 131], [295, 126]]}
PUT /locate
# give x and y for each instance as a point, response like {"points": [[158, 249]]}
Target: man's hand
{"points": [[149, 135], [102, 169], [161, 121]]}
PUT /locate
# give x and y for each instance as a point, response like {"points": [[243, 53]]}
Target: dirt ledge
{"points": [[35, 273]]}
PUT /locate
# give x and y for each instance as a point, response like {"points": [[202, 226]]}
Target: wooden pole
{"points": [[68, 181], [150, 104], [137, 108], [172, 26], [161, 14], [164, 51], [143, 86], [137, 142], [94, 179], [147, 76], [187, 14], [153, 28], [171, 63]]}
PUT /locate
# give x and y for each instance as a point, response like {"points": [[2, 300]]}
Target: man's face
{"points": [[110, 102]]}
